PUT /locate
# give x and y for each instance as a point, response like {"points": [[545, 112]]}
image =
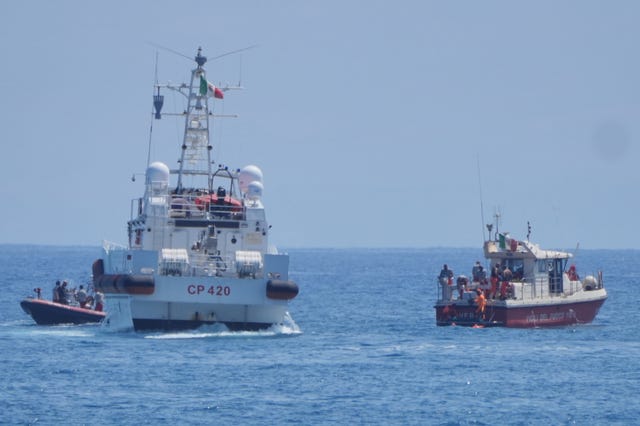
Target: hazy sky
{"points": [[369, 119]]}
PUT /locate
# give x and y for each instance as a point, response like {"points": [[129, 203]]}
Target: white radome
{"points": [[254, 190], [157, 172], [247, 175]]}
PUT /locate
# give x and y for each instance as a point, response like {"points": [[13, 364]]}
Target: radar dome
{"points": [[157, 173], [254, 190], [247, 175]]}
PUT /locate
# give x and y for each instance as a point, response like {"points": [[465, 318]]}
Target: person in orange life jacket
{"points": [[481, 301]]}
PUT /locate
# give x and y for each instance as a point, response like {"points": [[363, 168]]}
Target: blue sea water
{"points": [[362, 348]]}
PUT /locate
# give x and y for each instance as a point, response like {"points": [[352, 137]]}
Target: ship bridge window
{"points": [[516, 266], [545, 265]]}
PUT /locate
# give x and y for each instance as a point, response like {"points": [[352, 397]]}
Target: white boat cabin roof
{"points": [[511, 248]]}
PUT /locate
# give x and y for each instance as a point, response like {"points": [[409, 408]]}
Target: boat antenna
{"points": [[158, 101], [175, 52], [528, 230], [575, 253], [190, 58], [497, 216], [234, 51], [481, 205]]}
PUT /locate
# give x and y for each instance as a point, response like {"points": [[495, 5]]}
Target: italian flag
{"points": [[208, 89]]}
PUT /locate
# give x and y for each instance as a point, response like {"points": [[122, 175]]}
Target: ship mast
{"points": [[195, 159]]}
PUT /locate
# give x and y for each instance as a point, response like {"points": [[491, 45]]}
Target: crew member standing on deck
{"points": [[99, 301], [62, 294], [446, 275], [446, 281], [475, 272], [507, 275], [462, 283], [481, 301], [494, 278], [56, 292], [573, 275], [81, 296]]}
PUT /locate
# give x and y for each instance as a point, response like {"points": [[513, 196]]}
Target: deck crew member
{"points": [[56, 292], [573, 275], [507, 275], [446, 281], [475, 271], [99, 301], [481, 301], [462, 282], [81, 296], [494, 278], [62, 294]]}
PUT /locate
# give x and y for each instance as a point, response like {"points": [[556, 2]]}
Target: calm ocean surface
{"points": [[363, 348]]}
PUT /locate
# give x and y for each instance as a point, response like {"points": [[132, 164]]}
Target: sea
{"points": [[360, 347]]}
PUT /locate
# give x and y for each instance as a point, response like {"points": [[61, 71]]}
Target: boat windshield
{"points": [[547, 265]]}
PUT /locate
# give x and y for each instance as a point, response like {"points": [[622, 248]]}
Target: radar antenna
{"points": [[199, 56]]}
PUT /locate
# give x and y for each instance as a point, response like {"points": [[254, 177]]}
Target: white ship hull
{"points": [[180, 303], [185, 301]]}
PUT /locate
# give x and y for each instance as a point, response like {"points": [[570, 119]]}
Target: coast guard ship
{"points": [[198, 240]]}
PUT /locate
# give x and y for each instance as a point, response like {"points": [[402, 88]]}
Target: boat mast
{"points": [[195, 159]]}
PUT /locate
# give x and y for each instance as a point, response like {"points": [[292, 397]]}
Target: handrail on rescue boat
{"points": [[525, 290]]}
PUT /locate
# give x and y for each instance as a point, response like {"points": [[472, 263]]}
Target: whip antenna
{"points": [[234, 51], [175, 52], [481, 205], [158, 100]]}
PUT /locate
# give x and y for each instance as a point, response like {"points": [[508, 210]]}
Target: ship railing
{"points": [[185, 206], [227, 212], [540, 288], [115, 257], [190, 205], [203, 264], [110, 246], [523, 290]]}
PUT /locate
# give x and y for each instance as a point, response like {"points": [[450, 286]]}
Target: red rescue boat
{"points": [[523, 286]]}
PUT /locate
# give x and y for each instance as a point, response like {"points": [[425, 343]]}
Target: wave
{"points": [[287, 328]]}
